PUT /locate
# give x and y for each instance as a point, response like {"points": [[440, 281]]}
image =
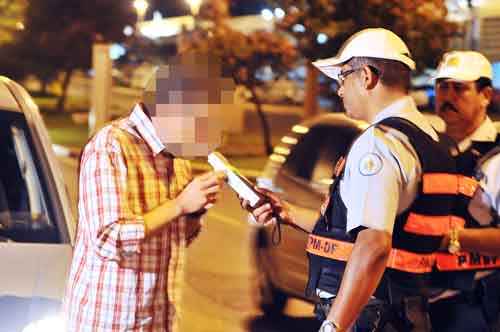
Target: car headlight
{"points": [[48, 324]]}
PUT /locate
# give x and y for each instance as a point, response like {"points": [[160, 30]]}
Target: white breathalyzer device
{"points": [[240, 184]]}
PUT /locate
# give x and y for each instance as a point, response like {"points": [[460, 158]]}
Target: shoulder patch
{"points": [[370, 164]]}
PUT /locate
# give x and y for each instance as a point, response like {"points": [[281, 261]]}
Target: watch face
{"points": [[327, 326], [453, 248]]}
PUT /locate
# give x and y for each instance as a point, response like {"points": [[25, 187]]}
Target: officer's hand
{"points": [[201, 193], [266, 213]]}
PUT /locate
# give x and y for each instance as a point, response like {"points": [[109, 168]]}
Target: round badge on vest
{"points": [[370, 164]]}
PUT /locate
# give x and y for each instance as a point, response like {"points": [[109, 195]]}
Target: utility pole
{"points": [[474, 27], [101, 86]]}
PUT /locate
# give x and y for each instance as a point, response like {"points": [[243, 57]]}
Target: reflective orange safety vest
{"points": [[417, 233], [407, 261]]}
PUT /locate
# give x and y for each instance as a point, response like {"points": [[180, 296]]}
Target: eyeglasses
{"points": [[343, 74]]}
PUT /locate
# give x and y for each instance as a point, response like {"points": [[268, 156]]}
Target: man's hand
{"points": [[267, 212], [201, 193]]}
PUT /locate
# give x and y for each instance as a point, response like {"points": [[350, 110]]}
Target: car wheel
{"points": [[272, 301]]}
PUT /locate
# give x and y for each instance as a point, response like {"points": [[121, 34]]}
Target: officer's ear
{"points": [[486, 94], [370, 78]]}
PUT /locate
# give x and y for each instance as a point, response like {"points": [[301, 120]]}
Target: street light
{"points": [[194, 5], [141, 6], [267, 14]]}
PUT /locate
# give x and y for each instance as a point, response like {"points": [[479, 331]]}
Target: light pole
{"points": [[194, 5], [141, 6]]}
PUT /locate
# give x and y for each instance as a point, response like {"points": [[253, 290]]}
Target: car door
{"points": [[35, 250], [304, 180]]}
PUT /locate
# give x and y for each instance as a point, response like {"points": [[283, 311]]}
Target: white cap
{"points": [[371, 43], [464, 66]]}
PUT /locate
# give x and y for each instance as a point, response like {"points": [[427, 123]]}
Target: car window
{"points": [[314, 156], [25, 214]]}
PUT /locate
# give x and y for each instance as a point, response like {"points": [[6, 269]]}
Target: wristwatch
{"points": [[454, 246], [329, 326]]}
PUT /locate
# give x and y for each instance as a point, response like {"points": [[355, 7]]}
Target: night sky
{"points": [[179, 7]]}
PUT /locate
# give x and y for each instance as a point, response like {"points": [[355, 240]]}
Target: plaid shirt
{"points": [[120, 280]]}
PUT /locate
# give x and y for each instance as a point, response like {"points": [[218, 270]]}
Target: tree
{"points": [[12, 13], [421, 24], [58, 35], [242, 55], [305, 20]]}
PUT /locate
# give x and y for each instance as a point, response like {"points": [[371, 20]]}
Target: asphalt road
{"points": [[220, 289]]}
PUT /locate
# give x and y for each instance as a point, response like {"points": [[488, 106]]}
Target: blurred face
{"points": [[461, 106], [349, 91], [186, 105]]}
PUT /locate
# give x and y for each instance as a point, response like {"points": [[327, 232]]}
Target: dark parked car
{"points": [[300, 170], [36, 224]]}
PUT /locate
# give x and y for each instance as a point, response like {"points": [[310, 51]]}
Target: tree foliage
{"points": [[12, 14], [58, 35], [421, 24], [242, 55], [67, 28]]}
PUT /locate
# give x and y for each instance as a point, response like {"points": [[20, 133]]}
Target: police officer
{"points": [[463, 93], [369, 250]]}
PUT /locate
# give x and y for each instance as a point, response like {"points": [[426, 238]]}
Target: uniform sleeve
{"points": [[490, 184], [114, 231], [378, 171]]}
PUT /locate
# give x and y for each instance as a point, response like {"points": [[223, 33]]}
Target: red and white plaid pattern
{"points": [[120, 280]]}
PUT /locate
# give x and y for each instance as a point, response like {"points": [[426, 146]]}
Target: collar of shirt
{"points": [[486, 132], [144, 128], [405, 108]]}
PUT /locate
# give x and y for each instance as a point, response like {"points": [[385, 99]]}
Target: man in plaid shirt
{"points": [[139, 205]]}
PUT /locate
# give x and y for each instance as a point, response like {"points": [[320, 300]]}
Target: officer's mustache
{"points": [[447, 106]]}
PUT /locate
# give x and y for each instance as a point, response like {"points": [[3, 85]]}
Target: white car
{"points": [[300, 170], [36, 223]]}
